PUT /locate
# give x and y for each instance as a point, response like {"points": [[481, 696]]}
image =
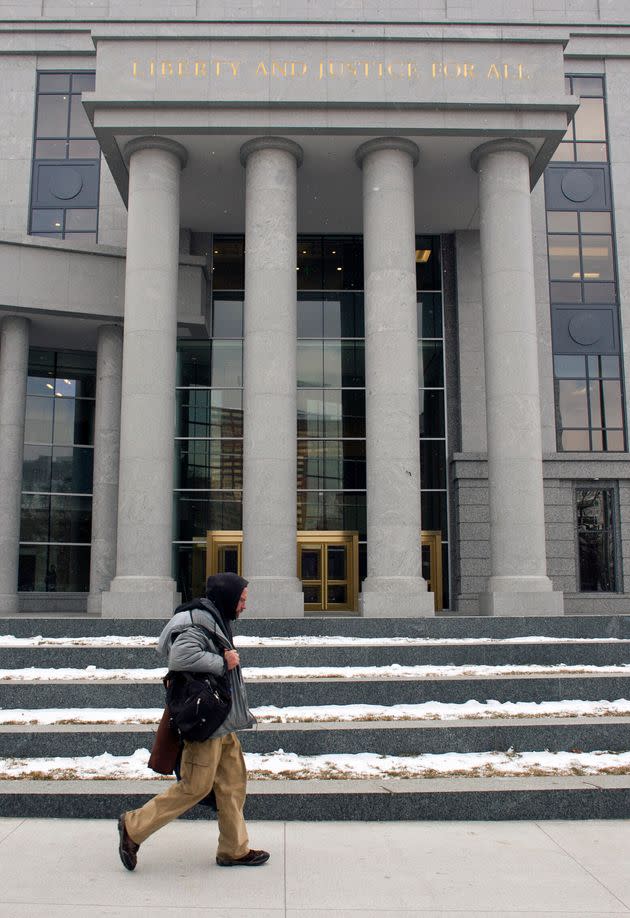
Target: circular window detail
{"points": [[66, 184], [577, 185], [585, 329]]}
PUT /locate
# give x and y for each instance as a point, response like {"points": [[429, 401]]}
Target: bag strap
{"points": [[221, 638]]}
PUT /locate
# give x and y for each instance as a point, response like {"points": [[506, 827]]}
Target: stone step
{"points": [[568, 626], [383, 738], [328, 691], [592, 653], [588, 797]]}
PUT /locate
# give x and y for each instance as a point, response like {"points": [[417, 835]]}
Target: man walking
{"points": [[193, 641]]}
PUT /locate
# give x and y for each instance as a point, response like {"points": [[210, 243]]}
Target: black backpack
{"points": [[198, 703]]}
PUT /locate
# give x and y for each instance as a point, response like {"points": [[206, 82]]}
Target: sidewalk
{"points": [[59, 868]]}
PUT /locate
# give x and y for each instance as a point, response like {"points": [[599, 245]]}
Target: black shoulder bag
{"points": [[198, 703]]}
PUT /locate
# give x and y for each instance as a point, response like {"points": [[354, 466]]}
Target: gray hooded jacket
{"points": [[189, 648]]}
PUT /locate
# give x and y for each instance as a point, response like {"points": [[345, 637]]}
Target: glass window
{"points": [[434, 511], [433, 464], [52, 116], [194, 364], [213, 464], [310, 317], [431, 368], [72, 468], [589, 121], [310, 274], [432, 413], [37, 467], [428, 263], [54, 568], [54, 82], [591, 152], [344, 363], [568, 367], [430, 315], [596, 540], [587, 86], [47, 221], [211, 510], [38, 427], [83, 220], [70, 518], [79, 122], [565, 292], [83, 82], [562, 221], [575, 441], [227, 317], [210, 413], [572, 402], [310, 363], [310, 408], [597, 258], [228, 264], [595, 222], [595, 292], [51, 149], [564, 257], [613, 410], [83, 149], [227, 363], [74, 421]]}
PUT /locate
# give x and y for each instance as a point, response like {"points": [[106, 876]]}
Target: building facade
{"points": [[333, 295]]}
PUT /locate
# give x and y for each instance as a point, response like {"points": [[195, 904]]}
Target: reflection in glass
{"points": [[568, 366], [572, 402], [227, 363], [613, 411], [209, 413], [54, 568], [595, 524], [74, 421], [337, 593], [562, 221], [336, 557], [210, 510], [72, 469], [566, 292], [70, 518], [332, 510], [38, 426], [227, 317], [595, 222], [597, 258], [36, 469], [592, 152], [589, 122], [214, 464], [564, 257], [331, 464], [595, 292], [430, 315], [81, 219], [310, 564], [575, 441], [54, 82], [50, 149], [47, 221]]}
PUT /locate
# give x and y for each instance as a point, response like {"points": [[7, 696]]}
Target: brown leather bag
{"points": [[166, 747]]}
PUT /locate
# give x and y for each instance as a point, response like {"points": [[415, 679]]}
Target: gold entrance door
{"points": [[223, 552], [431, 542], [328, 566]]}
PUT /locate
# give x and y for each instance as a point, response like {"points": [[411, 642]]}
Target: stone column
{"points": [[269, 371], [143, 586], [518, 584], [14, 335], [106, 458], [394, 585]]}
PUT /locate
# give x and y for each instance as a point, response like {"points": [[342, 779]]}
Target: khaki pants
{"points": [[215, 763]]}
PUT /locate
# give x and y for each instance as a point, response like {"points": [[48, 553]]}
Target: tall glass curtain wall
{"points": [[331, 482], [583, 283], [56, 514]]}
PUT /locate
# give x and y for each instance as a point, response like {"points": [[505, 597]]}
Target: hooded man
{"points": [[194, 641]]}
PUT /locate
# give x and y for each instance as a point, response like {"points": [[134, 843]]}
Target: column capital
{"points": [[272, 143], [387, 143], [503, 145], [155, 142]]}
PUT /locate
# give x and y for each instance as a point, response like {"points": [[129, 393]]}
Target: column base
{"points": [[8, 605], [274, 597], [94, 603], [535, 597], [396, 597], [140, 597]]}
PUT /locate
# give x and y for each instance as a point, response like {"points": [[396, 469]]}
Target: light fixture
{"points": [[57, 224], [422, 256], [588, 275], [339, 269], [49, 385], [67, 382]]}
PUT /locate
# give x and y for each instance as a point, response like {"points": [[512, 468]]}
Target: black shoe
{"points": [[127, 848], [251, 859]]}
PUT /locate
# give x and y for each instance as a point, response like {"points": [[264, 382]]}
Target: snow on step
{"points": [[270, 714], [244, 641], [394, 671], [285, 765]]}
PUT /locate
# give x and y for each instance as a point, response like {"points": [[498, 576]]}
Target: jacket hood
{"points": [[224, 591]]}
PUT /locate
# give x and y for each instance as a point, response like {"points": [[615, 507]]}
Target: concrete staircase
{"points": [[531, 797]]}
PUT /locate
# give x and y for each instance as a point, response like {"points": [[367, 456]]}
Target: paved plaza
{"points": [[57, 868]]}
